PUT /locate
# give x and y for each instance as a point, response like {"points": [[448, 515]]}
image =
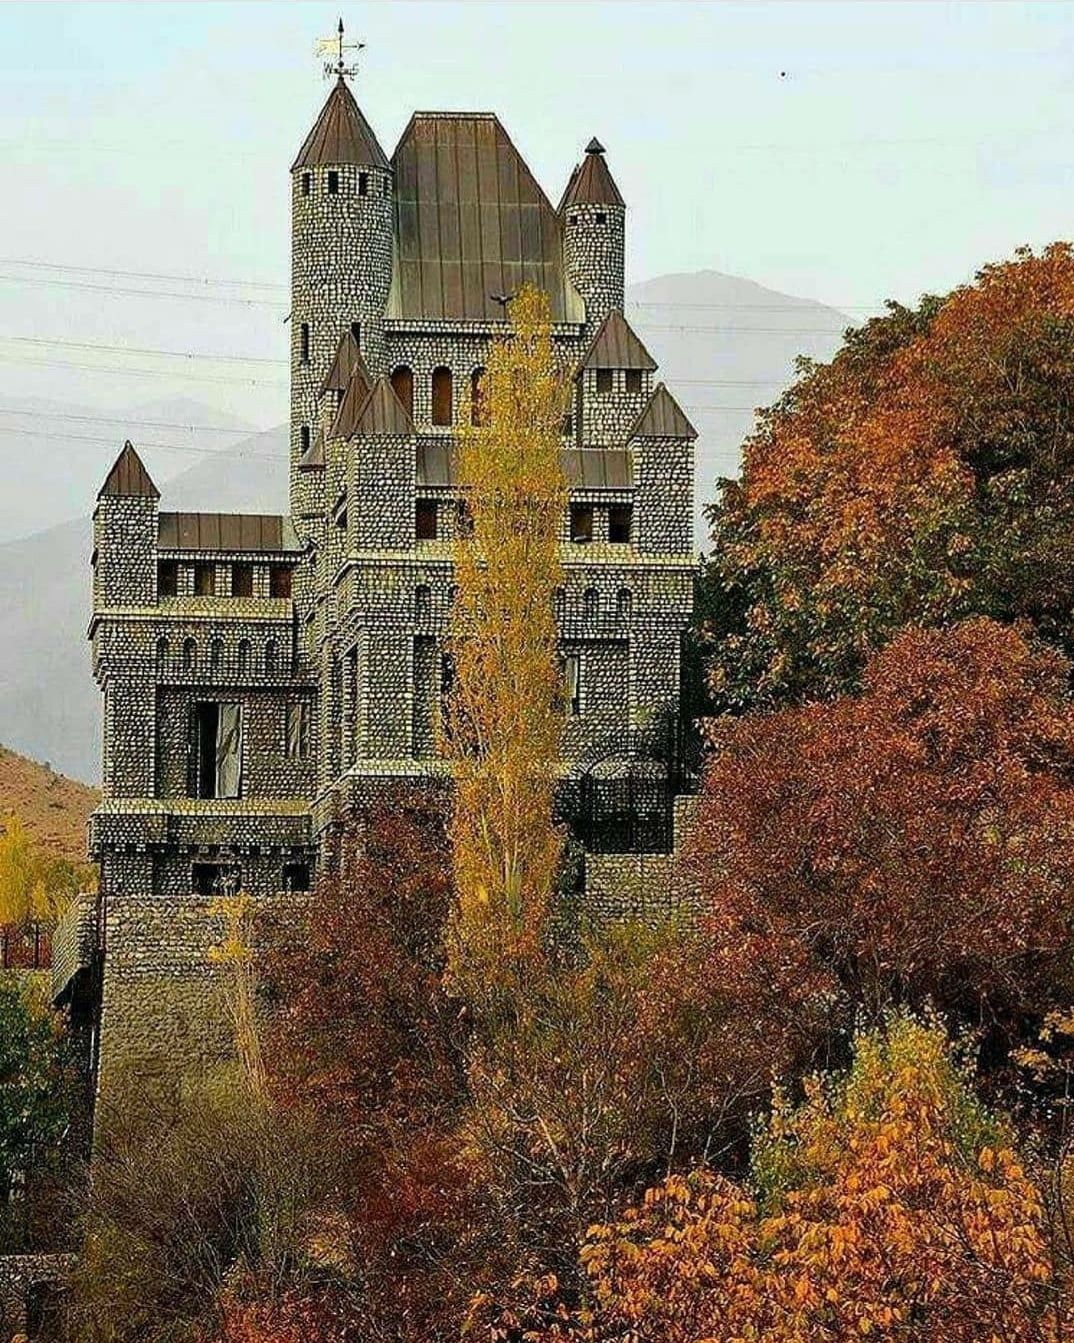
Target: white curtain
{"points": [[229, 751]]}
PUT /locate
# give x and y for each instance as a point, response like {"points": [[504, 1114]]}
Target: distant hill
{"points": [[724, 345], [54, 809]]}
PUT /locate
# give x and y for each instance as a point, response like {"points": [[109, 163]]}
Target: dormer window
{"points": [[333, 182], [363, 184], [604, 381], [307, 183]]}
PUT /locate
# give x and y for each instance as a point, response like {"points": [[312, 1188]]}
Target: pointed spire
{"points": [[348, 359], [591, 182], [383, 415], [662, 418], [341, 135], [616, 346], [128, 478], [350, 408]]}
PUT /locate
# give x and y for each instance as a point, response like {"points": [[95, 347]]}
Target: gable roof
{"points": [[340, 135], [128, 477], [591, 182], [348, 359], [383, 414], [662, 418], [616, 346], [472, 222]]}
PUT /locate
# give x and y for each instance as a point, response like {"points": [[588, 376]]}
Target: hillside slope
{"points": [[53, 808]]}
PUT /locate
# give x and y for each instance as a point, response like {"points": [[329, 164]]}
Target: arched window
{"points": [[423, 603], [624, 603], [270, 658], [163, 651], [244, 656], [591, 603], [442, 396], [190, 655], [216, 656], [477, 402], [402, 381]]}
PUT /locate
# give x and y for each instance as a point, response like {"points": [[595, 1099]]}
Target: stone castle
{"points": [[261, 673]]}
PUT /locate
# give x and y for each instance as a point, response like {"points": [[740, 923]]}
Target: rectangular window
{"points": [[205, 580], [304, 438], [363, 184], [333, 182], [216, 750], [306, 183], [297, 729], [242, 580], [279, 580], [620, 524], [581, 523], [604, 381], [215, 878], [572, 683], [167, 578], [425, 520], [633, 380], [297, 876]]}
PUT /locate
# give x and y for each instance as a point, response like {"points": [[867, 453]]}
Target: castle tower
{"points": [[342, 216], [594, 232]]}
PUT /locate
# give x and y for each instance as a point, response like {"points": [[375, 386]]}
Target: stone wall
{"points": [[24, 1277]]}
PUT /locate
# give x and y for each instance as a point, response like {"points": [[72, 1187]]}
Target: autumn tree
{"points": [[924, 475], [505, 714], [35, 885], [911, 842], [889, 1205]]}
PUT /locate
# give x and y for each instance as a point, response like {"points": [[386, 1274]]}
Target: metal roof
{"points": [[340, 135], [128, 477], [313, 458], [226, 531], [591, 182], [472, 223], [383, 414], [662, 418], [616, 346], [584, 468], [348, 358]]}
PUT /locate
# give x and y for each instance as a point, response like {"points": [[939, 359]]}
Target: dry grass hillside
{"points": [[53, 808]]}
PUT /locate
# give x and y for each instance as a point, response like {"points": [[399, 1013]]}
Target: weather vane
{"points": [[335, 47]]}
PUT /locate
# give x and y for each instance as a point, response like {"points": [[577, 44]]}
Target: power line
{"points": [[183, 374], [142, 274], [144, 293], [139, 349], [163, 447], [122, 420]]}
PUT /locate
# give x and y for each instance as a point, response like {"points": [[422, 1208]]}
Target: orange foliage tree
{"points": [[889, 1205], [910, 842], [924, 475]]}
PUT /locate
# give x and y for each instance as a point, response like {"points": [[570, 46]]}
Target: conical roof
{"points": [[350, 408], [348, 359], [662, 418], [128, 477], [313, 458], [616, 346], [383, 414], [340, 135], [591, 182]]}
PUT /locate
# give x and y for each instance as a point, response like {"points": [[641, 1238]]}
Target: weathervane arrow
{"points": [[335, 47]]}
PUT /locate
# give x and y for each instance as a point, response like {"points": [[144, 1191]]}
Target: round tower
{"points": [[594, 235], [342, 218]]}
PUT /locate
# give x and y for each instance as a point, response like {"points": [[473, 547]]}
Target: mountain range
{"points": [[724, 346]]}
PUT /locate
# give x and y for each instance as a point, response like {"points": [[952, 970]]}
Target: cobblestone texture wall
{"points": [[20, 1276], [594, 249]]}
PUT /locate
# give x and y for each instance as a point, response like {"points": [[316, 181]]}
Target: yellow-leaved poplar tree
{"points": [[505, 709], [35, 886]]}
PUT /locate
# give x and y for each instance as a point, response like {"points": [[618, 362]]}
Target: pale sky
{"points": [[842, 152]]}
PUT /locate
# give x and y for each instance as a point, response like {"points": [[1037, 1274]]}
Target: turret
{"points": [[341, 255], [125, 535], [594, 231]]}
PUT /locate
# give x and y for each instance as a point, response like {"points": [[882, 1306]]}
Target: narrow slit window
{"points": [[333, 182], [572, 684], [425, 520], [442, 396], [620, 524], [304, 438], [297, 730], [477, 402], [167, 578], [304, 343], [363, 184], [306, 183]]}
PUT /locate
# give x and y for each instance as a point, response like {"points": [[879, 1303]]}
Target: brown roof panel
{"points": [[662, 418], [597, 468], [591, 183], [128, 477], [340, 135], [472, 222], [616, 346], [226, 532], [350, 408], [348, 358], [313, 458], [383, 414]]}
